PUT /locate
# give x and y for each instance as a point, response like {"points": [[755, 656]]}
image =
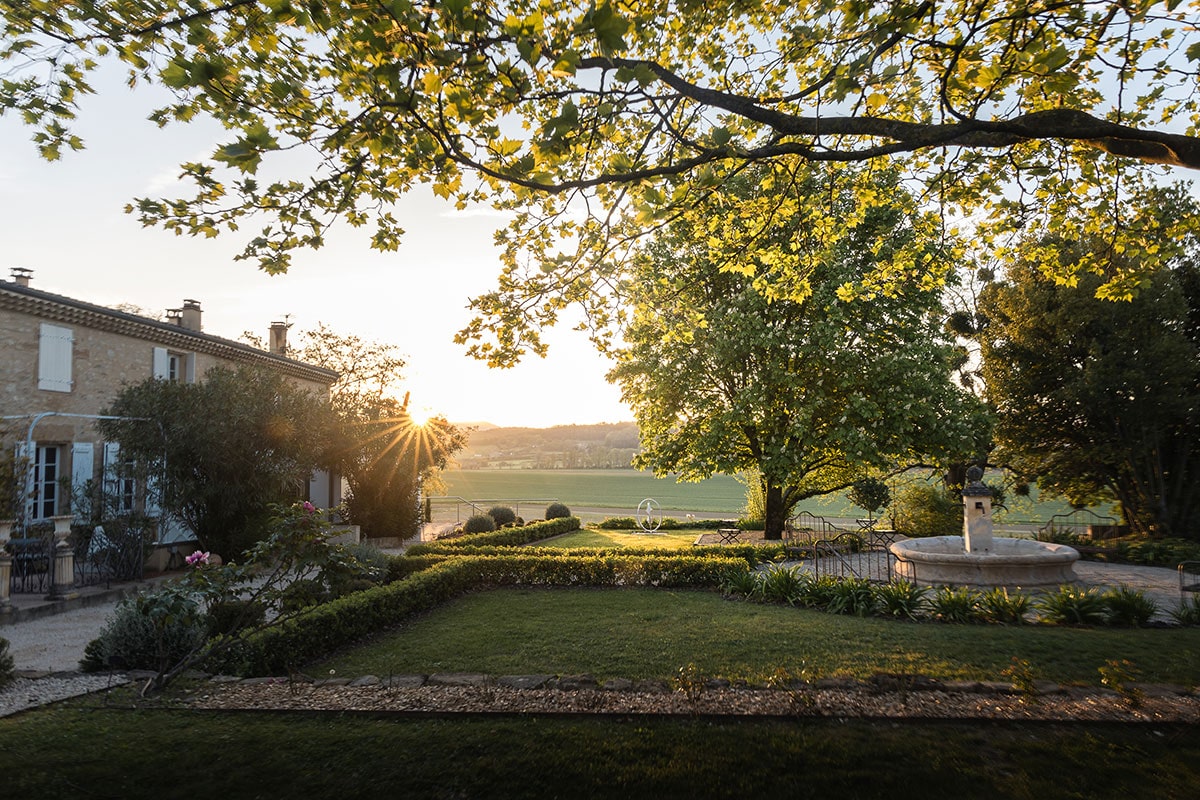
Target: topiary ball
{"points": [[503, 515], [480, 523], [557, 511]]}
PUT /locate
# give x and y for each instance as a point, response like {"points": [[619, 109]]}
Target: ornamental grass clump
{"points": [[902, 599], [1128, 608], [782, 585], [853, 596], [998, 606], [1188, 612], [742, 584], [1072, 605], [955, 604]]}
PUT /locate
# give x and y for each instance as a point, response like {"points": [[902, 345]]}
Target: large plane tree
{"points": [[810, 395]]}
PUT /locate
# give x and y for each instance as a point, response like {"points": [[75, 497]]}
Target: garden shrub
{"points": [[557, 511], [501, 515], [667, 524], [870, 494], [131, 639], [302, 593], [229, 616], [923, 509], [617, 524], [479, 523], [7, 667], [370, 562], [401, 566], [1166, 552], [512, 537], [351, 585]]}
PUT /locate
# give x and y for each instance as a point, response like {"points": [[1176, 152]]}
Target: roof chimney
{"points": [[279, 338], [21, 275], [189, 315]]}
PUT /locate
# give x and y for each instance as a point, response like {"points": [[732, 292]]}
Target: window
{"points": [[173, 366], [55, 345], [120, 489], [45, 482]]}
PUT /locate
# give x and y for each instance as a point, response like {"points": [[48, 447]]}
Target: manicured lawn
{"points": [[648, 633], [667, 540], [89, 751]]}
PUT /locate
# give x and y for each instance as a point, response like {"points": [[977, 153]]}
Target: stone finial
{"points": [[975, 486]]}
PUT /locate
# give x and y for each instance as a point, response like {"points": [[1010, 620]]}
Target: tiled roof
{"points": [[57, 308]]}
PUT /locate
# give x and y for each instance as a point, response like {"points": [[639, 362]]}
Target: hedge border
{"points": [[285, 648]]}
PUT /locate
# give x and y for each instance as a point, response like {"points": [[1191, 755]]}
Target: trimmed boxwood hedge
{"points": [[751, 554], [287, 647]]}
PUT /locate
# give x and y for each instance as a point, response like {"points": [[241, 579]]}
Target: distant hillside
{"points": [[602, 446]]}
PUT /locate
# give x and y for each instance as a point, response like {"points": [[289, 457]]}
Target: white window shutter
{"points": [[162, 364], [81, 471], [190, 368], [55, 344]]}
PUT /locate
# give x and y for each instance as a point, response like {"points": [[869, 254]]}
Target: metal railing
{"points": [[479, 506]]}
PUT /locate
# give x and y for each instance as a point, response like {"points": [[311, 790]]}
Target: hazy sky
{"points": [[64, 220]]}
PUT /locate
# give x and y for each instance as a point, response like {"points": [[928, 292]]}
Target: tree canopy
{"points": [[808, 395], [596, 122], [1099, 400], [221, 451]]}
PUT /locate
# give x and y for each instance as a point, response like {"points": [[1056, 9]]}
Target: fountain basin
{"points": [[1010, 563]]}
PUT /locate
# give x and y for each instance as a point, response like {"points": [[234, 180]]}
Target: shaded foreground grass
{"points": [[649, 633], [77, 751]]}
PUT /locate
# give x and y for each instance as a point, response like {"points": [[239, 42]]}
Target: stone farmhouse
{"points": [[64, 360]]}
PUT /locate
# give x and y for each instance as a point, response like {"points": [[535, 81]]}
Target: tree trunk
{"points": [[775, 513]]}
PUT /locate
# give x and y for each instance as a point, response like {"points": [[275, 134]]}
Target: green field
{"points": [[597, 488], [620, 490]]}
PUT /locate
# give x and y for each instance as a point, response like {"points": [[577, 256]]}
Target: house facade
{"points": [[62, 361]]}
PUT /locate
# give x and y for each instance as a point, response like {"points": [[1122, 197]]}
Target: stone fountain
{"points": [[977, 558]]}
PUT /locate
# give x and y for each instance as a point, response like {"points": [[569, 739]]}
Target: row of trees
{"points": [[219, 453]]}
